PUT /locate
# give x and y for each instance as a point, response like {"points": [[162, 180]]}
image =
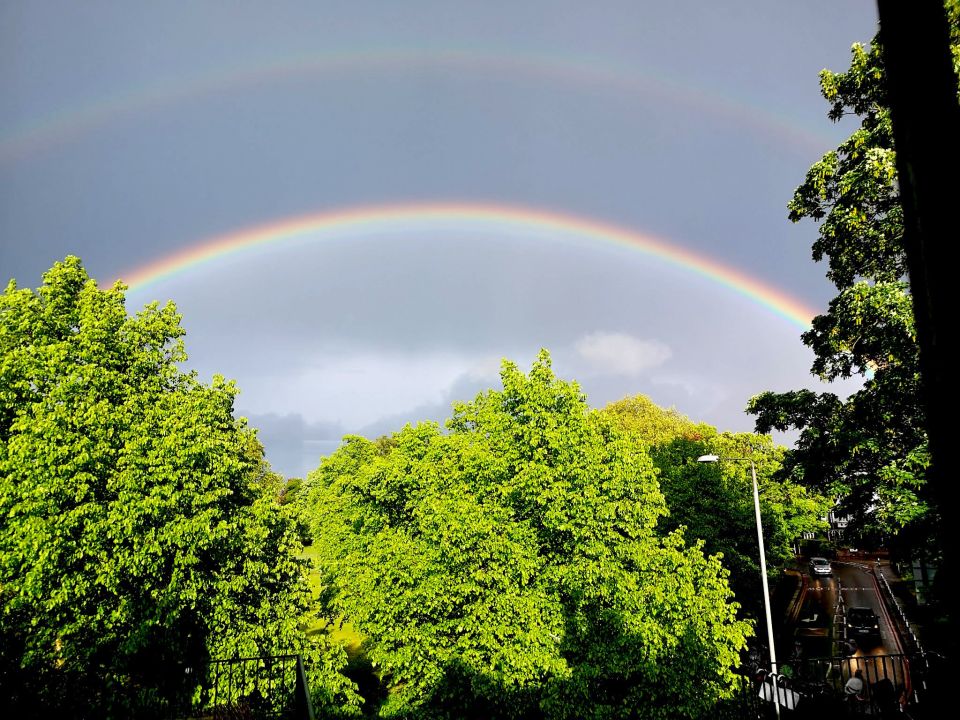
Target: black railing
{"points": [[820, 688], [889, 685], [253, 688]]}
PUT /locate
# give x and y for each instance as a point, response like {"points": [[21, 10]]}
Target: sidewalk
{"points": [[920, 616], [784, 606]]}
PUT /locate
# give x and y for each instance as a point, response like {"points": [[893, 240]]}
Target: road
{"points": [[819, 603], [860, 589], [819, 627]]}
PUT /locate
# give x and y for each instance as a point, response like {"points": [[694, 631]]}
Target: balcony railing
{"points": [[255, 687], [818, 688]]}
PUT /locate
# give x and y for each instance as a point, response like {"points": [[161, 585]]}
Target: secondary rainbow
{"points": [[584, 72], [502, 219]]}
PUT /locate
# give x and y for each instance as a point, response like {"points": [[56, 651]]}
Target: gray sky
{"points": [[130, 131]]}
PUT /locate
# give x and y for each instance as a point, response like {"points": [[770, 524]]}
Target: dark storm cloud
{"points": [[294, 446]]}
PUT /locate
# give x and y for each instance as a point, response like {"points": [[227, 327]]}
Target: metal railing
{"points": [[265, 687], [818, 688]]}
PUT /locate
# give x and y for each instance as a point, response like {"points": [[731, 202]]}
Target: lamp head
{"points": [[708, 458]]}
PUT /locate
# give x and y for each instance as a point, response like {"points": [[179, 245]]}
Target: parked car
{"points": [[862, 623], [820, 566]]}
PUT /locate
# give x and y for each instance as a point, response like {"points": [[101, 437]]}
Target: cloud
{"points": [[486, 369], [354, 389], [621, 354], [294, 445], [360, 392]]}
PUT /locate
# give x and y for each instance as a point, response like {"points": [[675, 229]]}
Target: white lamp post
{"points": [[763, 568]]}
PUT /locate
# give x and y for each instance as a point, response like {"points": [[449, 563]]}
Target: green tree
{"points": [[714, 503], [653, 425], [512, 567], [870, 449], [141, 532]]}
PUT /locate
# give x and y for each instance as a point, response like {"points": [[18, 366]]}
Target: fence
{"points": [[256, 687], [893, 685], [816, 688]]}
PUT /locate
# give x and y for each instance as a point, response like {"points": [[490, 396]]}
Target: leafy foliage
{"points": [[653, 425], [869, 450], [512, 567], [141, 532], [713, 502]]}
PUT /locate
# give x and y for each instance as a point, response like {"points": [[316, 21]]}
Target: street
{"points": [[823, 648], [819, 623]]}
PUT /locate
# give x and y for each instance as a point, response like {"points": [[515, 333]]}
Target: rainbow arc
{"points": [[490, 218]]}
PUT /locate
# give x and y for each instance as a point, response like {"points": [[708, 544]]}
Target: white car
{"points": [[820, 566]]}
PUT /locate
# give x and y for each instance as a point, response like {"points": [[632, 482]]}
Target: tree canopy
{"points": [[141, 531], [870, 449], [512, 566], [713, 502]]}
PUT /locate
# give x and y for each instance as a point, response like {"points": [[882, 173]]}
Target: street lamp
{"points": [[763, 568]]}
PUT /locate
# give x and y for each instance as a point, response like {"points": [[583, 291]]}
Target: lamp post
{"points": [[763, 568]]}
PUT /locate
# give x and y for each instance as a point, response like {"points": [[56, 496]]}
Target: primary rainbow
{"points": [[504, 219]]}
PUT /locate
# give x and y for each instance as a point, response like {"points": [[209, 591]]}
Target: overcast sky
{"points": [[130, 131]]}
